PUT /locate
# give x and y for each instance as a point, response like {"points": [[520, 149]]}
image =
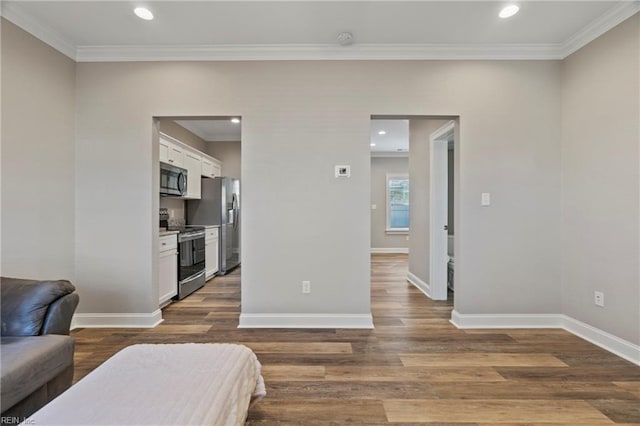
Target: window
{"points": [[397, 203]]}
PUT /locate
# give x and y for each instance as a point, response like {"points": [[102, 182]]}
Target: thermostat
{"points": [[343, 171]]}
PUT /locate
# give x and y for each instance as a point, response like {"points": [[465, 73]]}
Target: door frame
{"points": [[438, 207]]}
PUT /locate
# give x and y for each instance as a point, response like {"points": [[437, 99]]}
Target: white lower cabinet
{"points": [[211, 252], [168, 268]]}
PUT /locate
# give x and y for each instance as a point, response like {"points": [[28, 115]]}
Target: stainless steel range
{"points": [[191, 255]]}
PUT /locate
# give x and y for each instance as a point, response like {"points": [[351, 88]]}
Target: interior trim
{"points": [[389, 250], [601, 338], [306, 321], [121, 320], [42, 32], [604, 23], [318, 52], [420, 284]]}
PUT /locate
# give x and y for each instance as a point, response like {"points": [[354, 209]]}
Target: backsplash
{"points": [[175, 207]]}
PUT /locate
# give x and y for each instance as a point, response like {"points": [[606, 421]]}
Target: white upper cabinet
{"points": [[210, 167], [217, 170], [164, 150], [171, 151], [193, 164], [207, 167], [176, 155]]}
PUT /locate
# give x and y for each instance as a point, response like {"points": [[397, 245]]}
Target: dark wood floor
{"points": [[415, 367]]}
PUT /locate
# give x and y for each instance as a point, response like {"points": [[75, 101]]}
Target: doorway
{"points": [[202, 201]]}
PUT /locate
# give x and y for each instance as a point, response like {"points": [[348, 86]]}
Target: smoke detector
{"points": [[345, 38]]}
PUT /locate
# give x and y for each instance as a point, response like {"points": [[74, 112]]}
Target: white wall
{"points": [[601, 181], [299, 120], [380, 167], [38, 126]]}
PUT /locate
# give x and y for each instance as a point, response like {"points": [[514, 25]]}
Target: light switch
{"points": [[373, 207], [485, 199]]}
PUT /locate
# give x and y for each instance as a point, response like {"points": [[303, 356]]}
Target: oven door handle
{"points": [[190, 237], [193, 277]]}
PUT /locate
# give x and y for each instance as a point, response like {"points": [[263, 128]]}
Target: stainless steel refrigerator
{"points": [[220, 205]]}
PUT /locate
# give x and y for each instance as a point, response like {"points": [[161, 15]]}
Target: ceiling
{"points": [[245, 30], [396, 139], [213, 130]]}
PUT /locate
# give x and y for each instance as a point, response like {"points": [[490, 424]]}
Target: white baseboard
{"points": [[419, 284], [123, 320], [306, 321], [607, 341], [506, 320], [390, 250], [622, 348]]}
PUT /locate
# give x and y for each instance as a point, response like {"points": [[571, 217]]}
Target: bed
{"points": [[168, 384]]}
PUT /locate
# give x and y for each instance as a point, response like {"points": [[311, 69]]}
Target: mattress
{"points": [[173, 384]]}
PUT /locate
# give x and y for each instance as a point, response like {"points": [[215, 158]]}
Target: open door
{"points": [[438, 202]]}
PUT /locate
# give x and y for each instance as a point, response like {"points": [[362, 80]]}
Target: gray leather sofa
{"points": [[36, 350]]}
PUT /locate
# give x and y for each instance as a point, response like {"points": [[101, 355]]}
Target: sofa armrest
{"points": [[26, 304], [58, 317]]}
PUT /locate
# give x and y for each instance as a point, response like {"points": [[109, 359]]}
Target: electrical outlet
{"points": [[306, 287], [598, 298]]}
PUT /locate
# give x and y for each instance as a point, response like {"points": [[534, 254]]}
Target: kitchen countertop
{"points": [[165, 233]]}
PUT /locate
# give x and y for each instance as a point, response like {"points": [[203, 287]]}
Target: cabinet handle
{"points": [[171, 161], [164, 244]]}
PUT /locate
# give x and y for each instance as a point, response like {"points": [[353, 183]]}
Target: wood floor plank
{"points": [[412, 374], [352, 391], [180, 329], [481, 360], [507, 389], [300, 348], [289, 373], [633, 387], [333, 410], [575, 374], [620, 411], [492, 411]]}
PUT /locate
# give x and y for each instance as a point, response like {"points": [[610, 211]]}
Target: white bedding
{"points": [[174, 384]]}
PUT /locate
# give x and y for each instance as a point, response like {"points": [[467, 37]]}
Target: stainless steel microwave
{"points": [[173, 180]]}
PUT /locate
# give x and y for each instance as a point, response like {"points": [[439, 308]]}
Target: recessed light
{"points": [[143, 13], [509, 11], [372, 144], [382, 132], [235, 120]]}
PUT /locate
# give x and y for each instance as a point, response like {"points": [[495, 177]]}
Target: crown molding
{"points": [[550, 51], [42, 32], [601, 25], [307, 52]]}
